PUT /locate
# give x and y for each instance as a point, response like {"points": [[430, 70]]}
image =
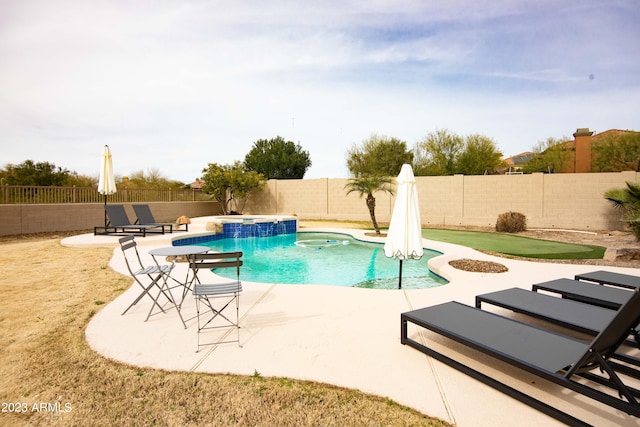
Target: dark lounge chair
{"points": [[557, 358], [588, 293], [145, 217], [610, 278], [119, 224], [575, 315]]}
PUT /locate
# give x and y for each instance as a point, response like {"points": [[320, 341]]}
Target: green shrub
{"points": [[511, 222]]}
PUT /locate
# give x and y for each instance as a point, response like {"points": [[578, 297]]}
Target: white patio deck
{"points": [[344, 336]]}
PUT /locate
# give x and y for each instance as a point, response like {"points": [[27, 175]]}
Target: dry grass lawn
{"points": [[50, 376]]}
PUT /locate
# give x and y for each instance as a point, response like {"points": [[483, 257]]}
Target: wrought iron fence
{"points": [[16, 194]]}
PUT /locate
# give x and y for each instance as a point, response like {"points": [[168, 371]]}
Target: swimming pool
{"points": [[325, 259]]}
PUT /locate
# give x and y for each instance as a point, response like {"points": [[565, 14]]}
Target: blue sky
{"points": [[174, 85]]}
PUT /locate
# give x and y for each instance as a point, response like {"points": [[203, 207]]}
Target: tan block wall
{"points": [[576, 200], [265, 200], [441, 199], [354, 207], [317, 199], [573, 201], [305, 200], [26, 219]]}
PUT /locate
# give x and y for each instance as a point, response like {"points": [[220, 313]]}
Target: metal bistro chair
{"points": [[153, 272], [216, 297]]}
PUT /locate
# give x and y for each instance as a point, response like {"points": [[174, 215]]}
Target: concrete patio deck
{"points": [[349, 337]]}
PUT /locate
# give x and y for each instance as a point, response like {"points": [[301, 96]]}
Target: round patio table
{"points": [[179, 250], [176, 251]]}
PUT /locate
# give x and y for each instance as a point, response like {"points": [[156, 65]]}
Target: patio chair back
{"points": [[117, 216], [138, 270], [212, 299], [143, 212], [214, 260], [129, 246]]}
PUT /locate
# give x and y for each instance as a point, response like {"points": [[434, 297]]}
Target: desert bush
{"points": [[511, 222]]}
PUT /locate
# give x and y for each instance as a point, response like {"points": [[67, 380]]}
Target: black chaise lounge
{"points": [[119, 224], [145, 217], [575, 315], [588, 293], [610, 278], [562, 360]]}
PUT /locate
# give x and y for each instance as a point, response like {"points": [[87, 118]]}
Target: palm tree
{"points": [[367, 185], [629, 200]]}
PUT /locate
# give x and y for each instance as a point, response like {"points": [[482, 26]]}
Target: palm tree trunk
{"points": [[371, 204]]}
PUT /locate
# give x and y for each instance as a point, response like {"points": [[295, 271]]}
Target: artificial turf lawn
{"points": [[515, 245]]}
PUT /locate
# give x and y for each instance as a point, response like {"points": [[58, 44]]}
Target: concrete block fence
{"points": [[562, 201]]}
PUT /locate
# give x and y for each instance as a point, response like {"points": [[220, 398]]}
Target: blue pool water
{"points": [[326, 259]]}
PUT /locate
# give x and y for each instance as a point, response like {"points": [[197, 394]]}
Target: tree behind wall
{"points": [[437, 154], [617, 152], [445, 153], [378, 156], [277, 159], [479, 156], [552, 156], [32, 173], [153, 178]]}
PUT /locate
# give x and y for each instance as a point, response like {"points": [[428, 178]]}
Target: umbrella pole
{"points": [[400, 276], [105, 210]]}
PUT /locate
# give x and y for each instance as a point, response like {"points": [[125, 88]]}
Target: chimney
{"points": [[583, 150]]}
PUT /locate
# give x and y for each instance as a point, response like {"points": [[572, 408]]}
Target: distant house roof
{"points": [[616, 132], [196, 185], [519, 159]]}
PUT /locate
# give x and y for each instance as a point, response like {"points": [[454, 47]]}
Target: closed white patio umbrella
{"points": [[404, 238], [107, 182]]}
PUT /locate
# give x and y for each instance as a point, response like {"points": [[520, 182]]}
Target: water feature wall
{"points": [[257, 228]]}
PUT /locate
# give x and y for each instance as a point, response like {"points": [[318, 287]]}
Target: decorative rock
{"points": [[623, 254], [477, 266], [610, 254], [183, 220]]}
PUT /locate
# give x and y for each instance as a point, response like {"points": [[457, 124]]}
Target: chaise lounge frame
{"points": [[548, 355]]}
